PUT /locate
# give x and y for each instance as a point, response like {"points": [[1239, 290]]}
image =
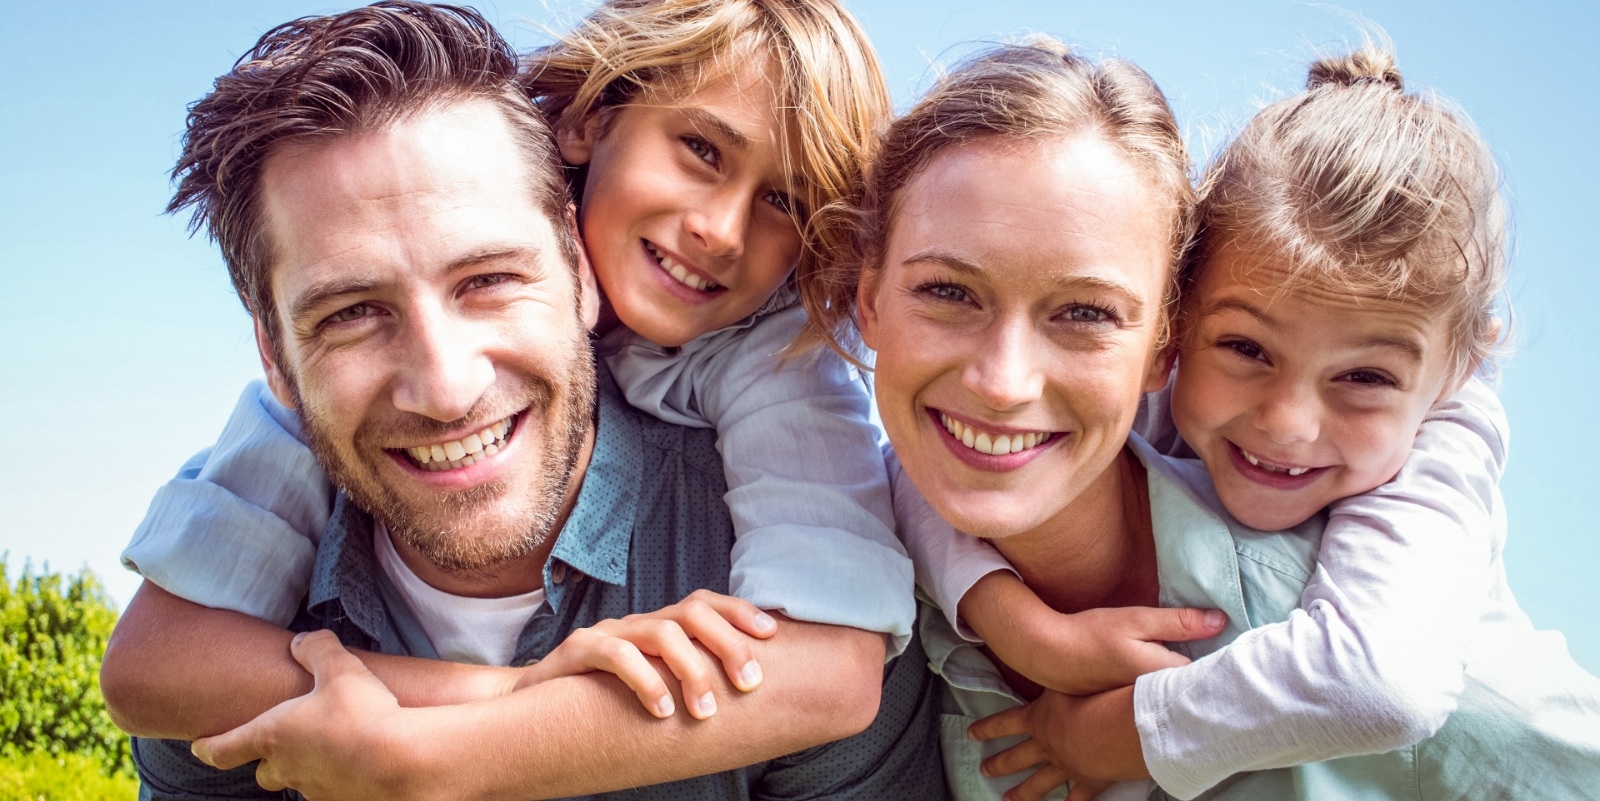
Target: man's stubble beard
{"points": [[442, 538]]}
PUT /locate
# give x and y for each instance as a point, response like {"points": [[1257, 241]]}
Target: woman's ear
{"points": [[576, 143], [1161, 367], [867, 306]]}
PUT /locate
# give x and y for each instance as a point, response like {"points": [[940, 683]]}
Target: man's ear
{"points": [[1161, 367], [867, 306], [577, 143], [588, 288], [277, 381]]}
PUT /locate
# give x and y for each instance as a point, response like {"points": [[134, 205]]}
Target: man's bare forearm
{"points": [[177, 670]]}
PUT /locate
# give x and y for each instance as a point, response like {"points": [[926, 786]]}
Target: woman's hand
{"points": [[1079, 654], [1090, 741], [721, 624]]}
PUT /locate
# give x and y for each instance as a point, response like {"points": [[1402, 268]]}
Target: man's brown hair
{"points": [[349, 73]]}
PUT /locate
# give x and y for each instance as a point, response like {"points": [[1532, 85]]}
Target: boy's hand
{"points": [[719, 623], [1079, 654], [1090, 741]]}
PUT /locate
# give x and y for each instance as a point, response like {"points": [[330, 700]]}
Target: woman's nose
{"points": [[1005, 370]]}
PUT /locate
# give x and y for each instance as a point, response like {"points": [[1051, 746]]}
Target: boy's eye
{"points": [[1375, 378], [785, 203], [701, 149]]}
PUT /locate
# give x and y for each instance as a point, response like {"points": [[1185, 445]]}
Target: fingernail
{"points": [[665, 707], [749, 675], [1215, 619], [764, 622], [708, 705], [298, 638]]}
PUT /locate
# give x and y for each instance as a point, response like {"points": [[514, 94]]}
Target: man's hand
{"points": [[1089, 652], [311, 743], [719, 623], [1090, 741]]}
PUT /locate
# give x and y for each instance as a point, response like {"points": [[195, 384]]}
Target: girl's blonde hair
{"points": [[829, 85], [1036, 90], [1358, 185]]}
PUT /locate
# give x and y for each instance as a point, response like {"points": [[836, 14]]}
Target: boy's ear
{"points": [[588, 288], [277, 381], [1161, 367], [577, 143], [867, 306]]}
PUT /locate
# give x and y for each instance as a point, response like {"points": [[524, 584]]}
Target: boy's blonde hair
{"points": [[1357, 185], [829, 86], [1035, 90]]}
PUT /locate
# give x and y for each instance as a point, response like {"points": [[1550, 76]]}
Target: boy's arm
{"points": [[1373, 659], [568, 736], [807, 488], [238, 528]]}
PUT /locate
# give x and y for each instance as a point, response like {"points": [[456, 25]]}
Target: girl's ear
{"points": [[577, 143]]}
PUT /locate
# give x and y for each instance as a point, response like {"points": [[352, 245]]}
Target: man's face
{"points": [[434, 335]]}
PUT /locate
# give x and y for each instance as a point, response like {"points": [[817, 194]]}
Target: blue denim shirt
{"points": [[648, 528]]}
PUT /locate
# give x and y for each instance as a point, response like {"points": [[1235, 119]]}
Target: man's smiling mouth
{"points": [[462, 452]]}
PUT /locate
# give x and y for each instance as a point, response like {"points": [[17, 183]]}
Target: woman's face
{"points": [[1015, 316]]}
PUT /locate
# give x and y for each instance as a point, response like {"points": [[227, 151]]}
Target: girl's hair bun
{"points": [[1369, 65]]}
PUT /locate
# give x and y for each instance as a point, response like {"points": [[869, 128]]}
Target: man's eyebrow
{"points": [[321, 294]]}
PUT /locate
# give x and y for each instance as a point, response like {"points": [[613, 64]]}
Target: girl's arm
{"points": [[238, 527], [806, 481], [1373, 659]]}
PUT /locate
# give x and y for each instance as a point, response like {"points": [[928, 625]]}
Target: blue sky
{"points": [[122, 347]]}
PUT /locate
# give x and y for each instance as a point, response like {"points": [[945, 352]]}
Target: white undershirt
{"points": [[481, 631]]}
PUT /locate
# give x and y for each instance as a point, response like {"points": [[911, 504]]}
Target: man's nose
{"points": [[444, 366]]}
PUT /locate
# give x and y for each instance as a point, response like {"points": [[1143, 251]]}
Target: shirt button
{"points": [[558, 572], [577, 575]]}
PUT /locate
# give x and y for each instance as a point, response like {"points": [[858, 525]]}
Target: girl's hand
{"points": [[1084, 653], [1091, 742], [720, 624]]}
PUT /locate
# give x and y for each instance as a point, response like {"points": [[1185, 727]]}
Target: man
{"points": [[390, 210]]}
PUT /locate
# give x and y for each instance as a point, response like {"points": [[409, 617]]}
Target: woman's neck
{"points": [[1099, 552]]}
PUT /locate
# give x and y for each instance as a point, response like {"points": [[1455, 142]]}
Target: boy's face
{"points": [[1295, 400], [688, 210]]}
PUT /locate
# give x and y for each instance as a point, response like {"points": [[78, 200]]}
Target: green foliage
{"points": [[53, 631], [69, 777]]}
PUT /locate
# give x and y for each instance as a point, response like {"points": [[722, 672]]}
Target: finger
{"points": [[745, 616], [687, 663], [232, 748], [1026, 754], [322, 655], [268, 777], [1001, 724], [1038, 785], [1179, 625], [707, 624], [1086, 790], [586, 649]]}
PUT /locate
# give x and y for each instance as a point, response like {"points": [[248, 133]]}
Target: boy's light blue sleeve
{"points": [[807, 487], [238, 527]]}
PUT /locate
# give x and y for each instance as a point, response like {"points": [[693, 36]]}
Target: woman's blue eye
{"points": [[1086, 314], [949, 292]]}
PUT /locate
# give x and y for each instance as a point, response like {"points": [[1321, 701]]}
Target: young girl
{"points": [[1338, 300], [702, 133]]}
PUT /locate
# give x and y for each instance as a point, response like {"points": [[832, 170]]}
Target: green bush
{"points": [[69, 777], [53, 631]]}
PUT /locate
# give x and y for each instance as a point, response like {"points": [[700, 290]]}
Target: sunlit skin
{"points": [[1019, 294], [695, 181], [423, 296], [1312, 380]]}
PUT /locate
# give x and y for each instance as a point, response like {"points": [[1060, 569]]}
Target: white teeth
{"points": [[462, 452], [1272, 468], [992, 444], [680, 273]]}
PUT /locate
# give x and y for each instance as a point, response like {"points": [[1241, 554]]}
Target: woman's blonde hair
{"points": [[1358, 185], [1035, 90], [829, 85]]}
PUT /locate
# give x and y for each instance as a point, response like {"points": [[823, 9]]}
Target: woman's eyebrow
{"points": [[1090, 283]]}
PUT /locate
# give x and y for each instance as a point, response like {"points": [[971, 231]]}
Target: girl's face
{"points": [[1015, 317], [1296, 399], [688, 213]]}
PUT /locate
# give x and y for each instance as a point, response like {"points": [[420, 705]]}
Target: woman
{"points": [[1020, 234]]}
